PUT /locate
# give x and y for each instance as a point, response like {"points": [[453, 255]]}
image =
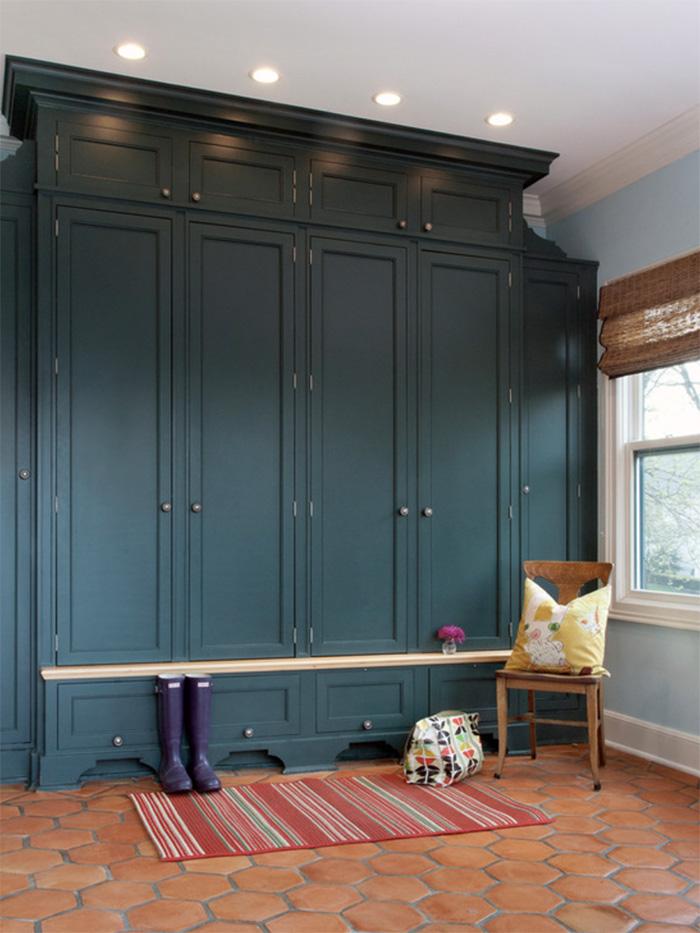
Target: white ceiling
{"points": [[584, 78]]}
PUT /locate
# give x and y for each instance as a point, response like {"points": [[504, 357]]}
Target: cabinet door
{"points": [[466, 211], [464, 448], [113, 437], [113, 157], [550, 416], [16, 680], [241, 334], [242, 177], [359, 447], [351, 195]]}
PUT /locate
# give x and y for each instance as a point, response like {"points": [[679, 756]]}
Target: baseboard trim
{"points": [[670, 747]]}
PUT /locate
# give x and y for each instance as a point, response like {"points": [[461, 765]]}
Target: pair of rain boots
{"points": [[176, 694]]}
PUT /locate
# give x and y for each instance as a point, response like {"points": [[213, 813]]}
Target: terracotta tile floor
{"points": [[626, 858]]}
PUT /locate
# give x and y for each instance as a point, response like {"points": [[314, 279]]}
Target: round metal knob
{"points": [[196, 196], [166, 507], [165, 192], [367, 724], [427, 227], [526, 489], [118, 741], [24, 474], [401, 224], [403, 510], [427, 512], [248, 733], [196, 506]]}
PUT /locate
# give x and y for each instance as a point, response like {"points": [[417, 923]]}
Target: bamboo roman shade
{"points": [[651, 318]]}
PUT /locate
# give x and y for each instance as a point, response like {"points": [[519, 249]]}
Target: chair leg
{"points": [[533, 723], [601, 730], [592, 715], [502, 706]]}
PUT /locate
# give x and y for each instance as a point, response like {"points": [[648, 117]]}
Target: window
{"points": [[652, 501]]}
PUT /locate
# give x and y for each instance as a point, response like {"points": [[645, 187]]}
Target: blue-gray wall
{"points": [[655, 670]]}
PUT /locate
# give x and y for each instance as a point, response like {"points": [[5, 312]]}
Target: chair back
{"points": [[568, 575]]}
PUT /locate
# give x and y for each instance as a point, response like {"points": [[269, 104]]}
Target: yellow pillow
{"points": [[558, 639]]}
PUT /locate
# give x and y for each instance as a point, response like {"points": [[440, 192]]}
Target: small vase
{"points": [[449, 646]]}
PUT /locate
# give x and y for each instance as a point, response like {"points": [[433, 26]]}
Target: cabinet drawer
{"points": [[105, 715], [241, 178], [454, 209], [267, 704], [114, 162], [365, 700], [467, 687], [352, 195]]}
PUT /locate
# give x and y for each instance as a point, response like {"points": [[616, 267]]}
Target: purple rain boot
{"points": [[171, 706], [198, 699]]}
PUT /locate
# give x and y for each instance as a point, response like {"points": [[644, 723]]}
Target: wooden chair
{"points": [[569, 577]]}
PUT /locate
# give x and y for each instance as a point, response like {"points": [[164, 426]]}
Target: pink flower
{"points": [[453, 632]]}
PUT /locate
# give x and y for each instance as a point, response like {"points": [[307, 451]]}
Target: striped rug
{"points": [[312, 812]]}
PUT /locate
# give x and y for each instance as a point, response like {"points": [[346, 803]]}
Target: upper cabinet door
{"points": [[240, 177], [359, 449], [124, 160], [241, 452], [350, 195], [464, 448], [114, 503], [467, 211]]}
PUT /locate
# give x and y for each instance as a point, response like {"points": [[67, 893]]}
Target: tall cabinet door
{"points": [[464, 467], [359, 462], [114, 481], [16, 483], [551, 414], [241, 442]]}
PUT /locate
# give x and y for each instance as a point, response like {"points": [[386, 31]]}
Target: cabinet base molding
{"points": [[271, 665]]}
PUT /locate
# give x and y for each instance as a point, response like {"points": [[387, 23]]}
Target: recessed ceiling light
{"points": [[387, 98], [499, 119], [265, 75], [130, 50]]}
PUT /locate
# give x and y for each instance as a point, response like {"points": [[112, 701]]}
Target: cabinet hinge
{"points": [[311, 509], [578, 390], [579, 490], [55, 227], [510, 217], [294, 254], [510, 630], [510, 511], [56, 643], [578, 292], [294, 381], [55, 504], [510, 396], [294, 186], [55, 149], [311, 257], [294, 508], [311, 382], [294, 635], [55, 366], [510, 279], [311, 635]]}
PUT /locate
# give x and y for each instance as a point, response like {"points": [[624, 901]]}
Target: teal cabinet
{"points": [[464, 447], [17, 470], [346, 193], [363, 702], [240, 458], [359, 446], [114, 480], [455, 208]]}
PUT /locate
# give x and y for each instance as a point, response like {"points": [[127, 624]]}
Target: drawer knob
{"points": [[248, 733], [196, 506], [403, 510], [367, 724], [118, 741], [427, 512], [401, 224], [24, 474], [526, 490], [196, 196], [167, 507], [427, 227], [165, 192]]}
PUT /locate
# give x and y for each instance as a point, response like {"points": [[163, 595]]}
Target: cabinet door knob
{"points": [[248, 733], [526, 489], [367, 724], [196, 506], [403, 510], [166, 507], [117, 741], [427, 227], [428, 512], [165, 192], [24, 474], [196, 196], [401, 225]]}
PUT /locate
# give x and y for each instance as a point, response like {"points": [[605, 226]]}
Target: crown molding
{"points": [[670, 142], [8, 146]]}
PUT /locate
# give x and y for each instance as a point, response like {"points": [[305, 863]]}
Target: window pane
{"points": [[668, 520], [672, 401]]}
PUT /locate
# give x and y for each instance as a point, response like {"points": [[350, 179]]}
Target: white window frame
{"points": [[621, 414]]}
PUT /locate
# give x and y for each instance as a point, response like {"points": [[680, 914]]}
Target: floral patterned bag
{"points": [[443, 749]]}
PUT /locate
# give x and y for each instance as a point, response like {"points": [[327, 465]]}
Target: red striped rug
{"points": [[312, 812]]}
